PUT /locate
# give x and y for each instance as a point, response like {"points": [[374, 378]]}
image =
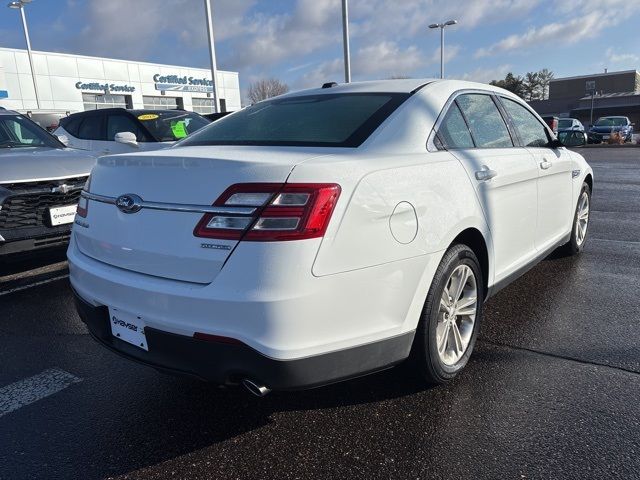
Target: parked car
{"points": [[40, 183], [570, 124], [118, 130], [605, 126], [325, 234], [552, 122]]}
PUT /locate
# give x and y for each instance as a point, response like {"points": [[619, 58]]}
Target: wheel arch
{"points": [[474, 239], [589, 181]]}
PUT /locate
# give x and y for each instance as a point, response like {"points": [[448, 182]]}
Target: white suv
{"points": [[325, 234]]}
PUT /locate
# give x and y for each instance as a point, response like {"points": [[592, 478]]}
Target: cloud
{"points": [[569, 32], [269, 39], [624, 58], [122, 29], [381, 60], [485, 74]]}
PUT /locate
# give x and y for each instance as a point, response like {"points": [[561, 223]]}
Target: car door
{"points": [[555, 204], [503, 175]]}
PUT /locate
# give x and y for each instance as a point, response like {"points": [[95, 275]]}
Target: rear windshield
{"points": [[330, 120], [565, 123], [611, 122], [171, 125]]}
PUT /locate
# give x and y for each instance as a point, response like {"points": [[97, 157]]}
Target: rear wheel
{"points": [[451, 316], [580, 222]]}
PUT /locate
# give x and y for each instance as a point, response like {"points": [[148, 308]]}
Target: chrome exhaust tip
{"points": [[257, 389]]}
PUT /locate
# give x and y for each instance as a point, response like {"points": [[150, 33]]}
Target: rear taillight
{"points": [[83, 203], [292, 211]]}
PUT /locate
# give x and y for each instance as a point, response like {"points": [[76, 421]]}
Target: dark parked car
{"points": [[40, 184], [118, 130], [605, 126]]}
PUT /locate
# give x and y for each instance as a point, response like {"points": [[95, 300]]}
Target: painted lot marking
{"points": [[29, 390], [31, 285]]}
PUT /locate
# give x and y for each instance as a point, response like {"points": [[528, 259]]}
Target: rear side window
{"points": [[71, 125], [453, 132], [123, 123], [531, 131], [91, 128], [485, 121], [330, 120]]}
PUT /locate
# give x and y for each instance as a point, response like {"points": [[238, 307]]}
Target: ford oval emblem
{"points": [[129, 203]]}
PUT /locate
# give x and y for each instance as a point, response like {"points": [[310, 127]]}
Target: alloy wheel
{"points": [[456, 315], [582, 218]]}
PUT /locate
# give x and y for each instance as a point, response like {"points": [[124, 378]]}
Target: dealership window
{"points": [[94, 101], [162, 103], [202, 105]]}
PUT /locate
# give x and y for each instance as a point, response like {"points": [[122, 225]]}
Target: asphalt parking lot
{"points": [[552, 391]]}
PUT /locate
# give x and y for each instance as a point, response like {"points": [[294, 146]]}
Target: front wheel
{"points": [[580, 222], [451, 316]]}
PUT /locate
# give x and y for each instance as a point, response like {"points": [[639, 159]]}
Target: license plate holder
{"points": [[128, 327], [62, 215]]}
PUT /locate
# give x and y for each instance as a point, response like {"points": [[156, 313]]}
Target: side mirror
{"points": [[126, 138], [63, 139], [572, 139], [556, 143]]}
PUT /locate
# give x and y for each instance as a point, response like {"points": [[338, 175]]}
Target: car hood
{"points": [[26, 164]]}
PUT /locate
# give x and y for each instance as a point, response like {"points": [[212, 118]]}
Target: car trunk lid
{"points": [[160, 241]]}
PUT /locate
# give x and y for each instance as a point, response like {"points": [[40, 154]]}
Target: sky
{"points": [[300, 41]]}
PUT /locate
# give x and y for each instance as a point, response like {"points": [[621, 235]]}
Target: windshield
{"points": [[171, 125], [565, 123], [17, 131], [611, 122], [333, 120]]}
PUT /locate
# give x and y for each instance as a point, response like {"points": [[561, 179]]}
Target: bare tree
{"points": [[266, 88], [545, 76]]}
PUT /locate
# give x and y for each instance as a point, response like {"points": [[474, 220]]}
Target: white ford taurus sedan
{"points": [[325, 234]]}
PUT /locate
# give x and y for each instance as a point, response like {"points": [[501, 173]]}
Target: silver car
{"points": [[40, 183]]}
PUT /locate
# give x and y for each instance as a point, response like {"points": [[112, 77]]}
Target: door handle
{"points": [[485, 174], [545, 164]]}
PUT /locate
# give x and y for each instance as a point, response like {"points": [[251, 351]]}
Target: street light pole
{"points": [[212, 56], [345, 41], [442, 26], [19, 5]]}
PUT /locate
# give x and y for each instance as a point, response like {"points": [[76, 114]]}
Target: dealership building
{"points": [[604, 94], [71, 83]]}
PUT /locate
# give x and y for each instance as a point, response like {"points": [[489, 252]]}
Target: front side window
{"points": [[453, 131], [485, 122], [531, 131], [16, 131], [330, 120]]}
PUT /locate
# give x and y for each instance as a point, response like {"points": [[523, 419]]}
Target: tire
{"points": [[439, 368], [577, 242]]}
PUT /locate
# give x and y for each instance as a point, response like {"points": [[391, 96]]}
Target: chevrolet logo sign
{"points": [[64, 188]]}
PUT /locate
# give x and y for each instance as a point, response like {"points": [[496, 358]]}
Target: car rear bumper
{"points": [[224, 363]]}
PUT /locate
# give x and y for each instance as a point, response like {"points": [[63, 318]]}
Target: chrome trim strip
{"points": [[176, 207]]}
